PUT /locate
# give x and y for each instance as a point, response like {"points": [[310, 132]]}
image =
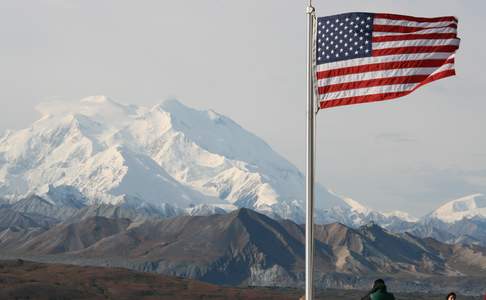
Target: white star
{"points": [[319, 40], [337, 54], [332, 42], [327, 39], [369, 18], [356, 52], [367, 42], [367, 50], [341, 41], [332, 33], [361, 38], [346, 27], [327, 56], [327, 30], [327, 47], [355, 43], [362, 22], [347, 19], [340, 32], [361, 47], [327, 22], [320, 23], [341, 24], [367, 26], [332, 25], [337, 21], [341, 50], [345, 44], [357, 18], [346, 53], [332, 51], [352, 23]]}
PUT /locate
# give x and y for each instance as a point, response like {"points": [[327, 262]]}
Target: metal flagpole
{"points": [[310, 159]]}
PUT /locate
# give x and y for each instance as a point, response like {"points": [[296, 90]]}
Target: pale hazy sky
{"points": [[246, 59]]}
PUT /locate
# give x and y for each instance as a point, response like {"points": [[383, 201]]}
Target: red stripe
{"points": [[429, 63], [415, 19], [404, 29], [407, 37], [370, 83], [415, 49], [384, 96]]}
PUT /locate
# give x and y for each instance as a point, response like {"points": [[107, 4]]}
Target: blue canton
{"points": [[344, 36]]}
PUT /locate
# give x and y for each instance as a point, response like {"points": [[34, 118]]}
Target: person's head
{"points": [[451, 296], [379, 284]]}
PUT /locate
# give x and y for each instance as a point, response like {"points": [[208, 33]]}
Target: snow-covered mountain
{"points": [[469, 207], [458, 221], [99, 151]]}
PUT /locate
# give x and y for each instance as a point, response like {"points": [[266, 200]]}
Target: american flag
{"points": [[366, 57]]}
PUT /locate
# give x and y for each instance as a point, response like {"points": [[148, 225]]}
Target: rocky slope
{"points": [[245, 247]]}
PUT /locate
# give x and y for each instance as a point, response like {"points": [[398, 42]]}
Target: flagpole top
{"points": [[310, 8]]}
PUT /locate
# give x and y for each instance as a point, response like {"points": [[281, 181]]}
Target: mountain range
{"points": [[96, 156], [244, 248]]}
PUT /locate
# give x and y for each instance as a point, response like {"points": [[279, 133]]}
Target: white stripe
{"points": [[381, 59], [375, 75], [413, 43], [424, 31], [381, 21], [368, 91]]}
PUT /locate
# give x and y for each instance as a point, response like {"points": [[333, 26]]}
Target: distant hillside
{"points": [[247, 248]]}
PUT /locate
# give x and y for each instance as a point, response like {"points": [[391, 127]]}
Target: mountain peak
{"points": [[463, 208], [173, 105], [405, 216]]}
